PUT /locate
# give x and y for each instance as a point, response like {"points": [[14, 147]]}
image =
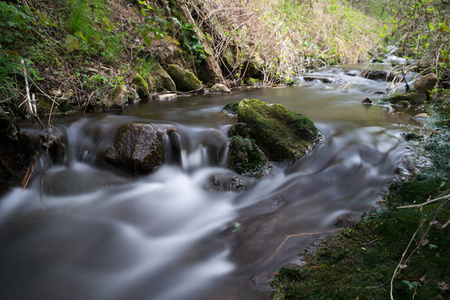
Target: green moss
{"points": [[281, 133], [245, 157], [239, 129], [141, 87]]}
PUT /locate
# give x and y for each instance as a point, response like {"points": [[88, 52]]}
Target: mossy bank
{"points": [[403, 252]]}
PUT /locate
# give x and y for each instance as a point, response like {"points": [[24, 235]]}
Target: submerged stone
{"points": [[137, 148], [281, 133]]}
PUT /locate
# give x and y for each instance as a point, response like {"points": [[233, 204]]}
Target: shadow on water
{"points": [[103, 235]]}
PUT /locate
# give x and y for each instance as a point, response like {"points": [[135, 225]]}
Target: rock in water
{"points": [[220, 88], [267, 132], [138, 148], [408, 99], [425, 84], [245, 157], [281, 133], [184, 80], [378, 75]]}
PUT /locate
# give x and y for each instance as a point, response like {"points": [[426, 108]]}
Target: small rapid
{"points": [[98, 233]]}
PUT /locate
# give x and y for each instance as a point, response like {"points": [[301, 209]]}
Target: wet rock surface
{"points": [[378, 75], [137, 148]]}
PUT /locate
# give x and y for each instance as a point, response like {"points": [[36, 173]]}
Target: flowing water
{"points": [[171, 234]]}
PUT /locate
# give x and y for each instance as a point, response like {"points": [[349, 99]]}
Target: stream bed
{"points": [[98, 234]]}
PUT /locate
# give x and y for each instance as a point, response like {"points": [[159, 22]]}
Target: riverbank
{"points": [[99, 56], [400, 250]]}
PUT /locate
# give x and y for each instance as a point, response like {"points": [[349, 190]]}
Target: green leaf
{"points": [[147, 40], [411, 285]]}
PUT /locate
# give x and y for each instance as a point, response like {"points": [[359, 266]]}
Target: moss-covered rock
{"points": [[163, 79], [141, 87], [281, 133], [408, 99], [239, 129], [184, 80], [245, 157]]}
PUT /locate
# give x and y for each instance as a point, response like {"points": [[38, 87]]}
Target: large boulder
{"points": [[184, 80], [426, 83], [281, 133], [138, 148], [16, 151]]}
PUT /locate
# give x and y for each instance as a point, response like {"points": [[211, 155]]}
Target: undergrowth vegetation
{"points": [[290, 36]]}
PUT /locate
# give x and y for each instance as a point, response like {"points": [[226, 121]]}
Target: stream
{"points": [[99, 234]]}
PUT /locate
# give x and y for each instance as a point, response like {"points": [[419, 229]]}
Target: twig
{"points": [[297, 235], [27, 89], [401, 260], [29, 176], [425, 203]]}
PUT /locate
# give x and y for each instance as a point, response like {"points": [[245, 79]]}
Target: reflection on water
{"points": [[103, 235]]}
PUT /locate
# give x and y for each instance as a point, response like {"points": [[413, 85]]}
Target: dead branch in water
{"points": [[297, 235]]}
